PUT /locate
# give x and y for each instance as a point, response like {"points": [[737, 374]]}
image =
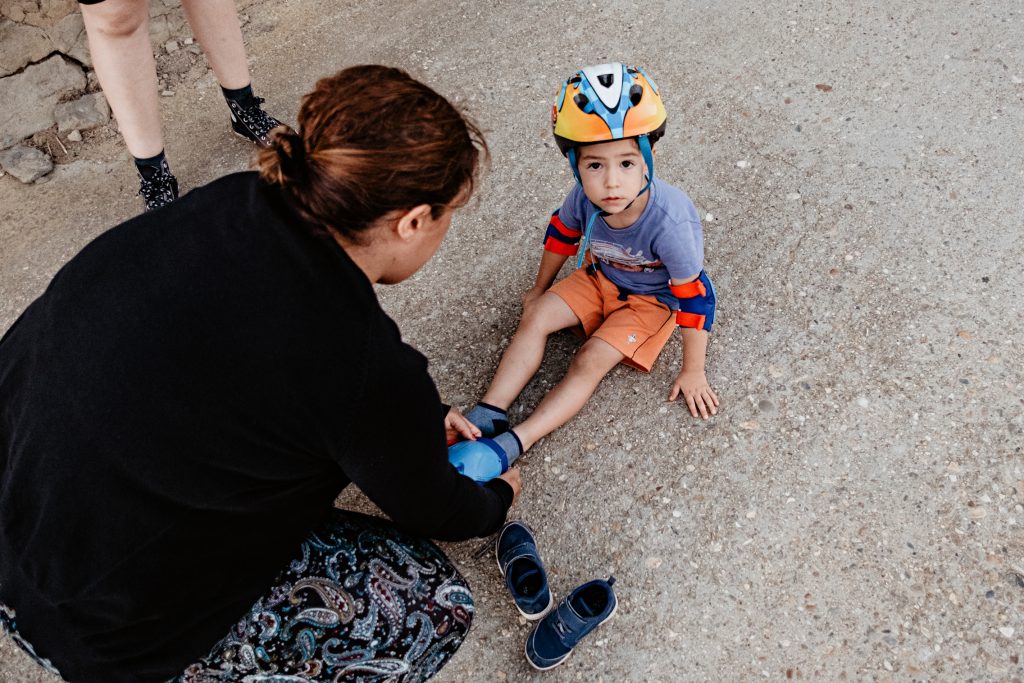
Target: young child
{"points": [[639, 273]]}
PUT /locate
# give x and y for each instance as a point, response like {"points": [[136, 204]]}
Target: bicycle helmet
{"points": [[608, 102]]}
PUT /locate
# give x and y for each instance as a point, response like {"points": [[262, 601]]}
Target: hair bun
{"points": [[291, 152]]}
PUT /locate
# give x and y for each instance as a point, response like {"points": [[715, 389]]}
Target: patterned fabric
{"points": [[8, 625], [364, 603]]}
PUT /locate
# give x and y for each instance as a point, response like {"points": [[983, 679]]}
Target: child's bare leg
{"points": [[592, 362], [548, 314]]}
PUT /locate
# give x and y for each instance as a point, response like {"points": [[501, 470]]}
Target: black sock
{"points": [[149, 166], [239, 95]]}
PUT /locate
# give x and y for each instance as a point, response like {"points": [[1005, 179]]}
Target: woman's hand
{"points": [[513, 479], [455, 426], [693, 385]]}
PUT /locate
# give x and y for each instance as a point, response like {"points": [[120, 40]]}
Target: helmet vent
{"points": [[582, 102], [606, 80], [636, 93]]}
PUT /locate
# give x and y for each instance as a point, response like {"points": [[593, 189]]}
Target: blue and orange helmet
{"points": [[608, 102]]}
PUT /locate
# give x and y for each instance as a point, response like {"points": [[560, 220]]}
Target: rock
{"points": [[27, 164], [68, 36], [46, 13], [171, 46], [159, 32], [22, 45], [92, 81], [75, 136], [30, 96], [57, 9], [13, 12], [742, 163], [88, 111]]}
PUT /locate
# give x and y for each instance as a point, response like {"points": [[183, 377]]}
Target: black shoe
{"points": [[158, 187], [250, 121]]}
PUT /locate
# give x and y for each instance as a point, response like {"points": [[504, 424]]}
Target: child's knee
{"points": [[534, 323], [595, 358]]}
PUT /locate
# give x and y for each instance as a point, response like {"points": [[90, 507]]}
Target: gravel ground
{"points": [[854, 511]]}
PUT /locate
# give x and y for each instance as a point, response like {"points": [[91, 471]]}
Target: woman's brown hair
{"points": [[372, 140]]}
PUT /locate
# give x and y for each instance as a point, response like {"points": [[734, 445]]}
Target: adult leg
{"points": [[362, 600], [118, 32], [524, 354], [215, 25], [593, 361]]}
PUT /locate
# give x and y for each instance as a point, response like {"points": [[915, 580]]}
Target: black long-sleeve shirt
{"points": [[179, 409]]}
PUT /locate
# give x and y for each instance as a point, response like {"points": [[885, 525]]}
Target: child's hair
{"points": [[372, 140]]}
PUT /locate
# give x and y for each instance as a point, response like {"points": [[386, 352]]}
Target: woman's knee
{"points": [[117, 18]]}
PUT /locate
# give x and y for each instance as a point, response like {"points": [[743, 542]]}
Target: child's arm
{"points": [[550, 264], [560, 242], [691, 381]]}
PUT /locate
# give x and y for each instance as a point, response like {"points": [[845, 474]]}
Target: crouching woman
{"points": [[181, 407]]}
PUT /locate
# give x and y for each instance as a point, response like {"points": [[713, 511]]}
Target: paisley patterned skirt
{"points": [[364, 603]]}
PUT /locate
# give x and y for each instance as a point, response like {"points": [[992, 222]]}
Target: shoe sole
{"points": [[526, 648], [551, 598]]}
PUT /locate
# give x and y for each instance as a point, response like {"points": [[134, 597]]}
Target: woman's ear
{"points": [[412, 221]]}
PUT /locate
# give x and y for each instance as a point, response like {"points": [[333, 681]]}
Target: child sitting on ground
{"points": [[640, 273]]}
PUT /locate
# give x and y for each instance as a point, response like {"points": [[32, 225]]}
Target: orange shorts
{"points": [[639, 327]]}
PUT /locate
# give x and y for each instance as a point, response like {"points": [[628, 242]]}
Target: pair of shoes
{"points": [[158, 188], [249, 121], [560, 630]]}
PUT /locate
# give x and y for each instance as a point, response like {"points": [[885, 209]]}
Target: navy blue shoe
{"points": [[586, 608], [520, 564]]}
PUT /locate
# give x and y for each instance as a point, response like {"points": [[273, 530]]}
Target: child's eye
{"points": [[593, 166], [628, 164]]}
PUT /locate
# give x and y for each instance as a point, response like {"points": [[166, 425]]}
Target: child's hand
{"points": [[694, 387], [531, 295], [455, 425]]}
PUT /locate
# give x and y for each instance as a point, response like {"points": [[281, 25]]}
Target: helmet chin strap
{"points": [[647, 153]]}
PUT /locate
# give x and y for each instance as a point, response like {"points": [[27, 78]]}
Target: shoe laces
{"points": [[160, 189], [257, 121]]}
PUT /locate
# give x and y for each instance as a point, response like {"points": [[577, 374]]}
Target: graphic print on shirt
{"points": [[623, 258]]}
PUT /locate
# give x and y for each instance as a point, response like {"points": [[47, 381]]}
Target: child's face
{"points": [[612, 173]]}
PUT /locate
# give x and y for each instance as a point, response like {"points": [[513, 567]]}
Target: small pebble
{"points": [[863, 402], [75, 136], [188, 41], [171, 46], [793, 196], [742, 163], [709, 217], [1007, 631], [167, 93]]}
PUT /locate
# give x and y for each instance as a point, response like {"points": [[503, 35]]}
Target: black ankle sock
{"points": [[149, 166], [239, 95]]}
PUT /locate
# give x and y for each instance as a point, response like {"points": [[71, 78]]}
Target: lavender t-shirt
{"points": [[666, 241]]}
